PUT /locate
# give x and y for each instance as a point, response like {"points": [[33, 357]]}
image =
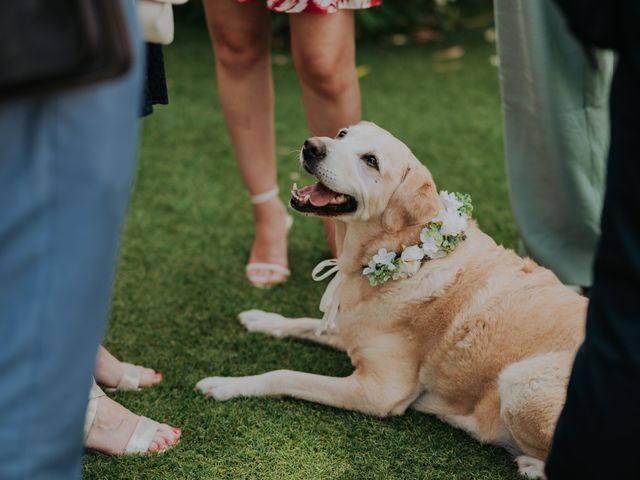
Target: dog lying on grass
{"points": [[479, 337]]}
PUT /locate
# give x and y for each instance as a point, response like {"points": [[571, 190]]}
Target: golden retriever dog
{"points": [[481, 338]]}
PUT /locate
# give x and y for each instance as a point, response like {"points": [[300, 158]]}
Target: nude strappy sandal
{"points": [[130, 380], [140, 439], [269, 267]]}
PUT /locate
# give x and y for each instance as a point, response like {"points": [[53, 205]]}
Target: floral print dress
{"points": [[317, 6]]}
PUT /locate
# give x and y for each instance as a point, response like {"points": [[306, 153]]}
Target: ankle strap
{"points": [[92, 406], [265, 196]]}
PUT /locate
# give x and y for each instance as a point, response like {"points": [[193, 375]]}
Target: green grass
{"points": [[180, 281]]}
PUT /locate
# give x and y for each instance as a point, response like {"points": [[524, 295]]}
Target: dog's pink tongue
{"points": [[320, 195]]}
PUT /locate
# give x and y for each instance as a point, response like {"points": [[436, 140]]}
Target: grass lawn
{"points": [[180, 281]]}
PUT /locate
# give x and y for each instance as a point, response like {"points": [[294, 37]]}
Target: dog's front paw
{"points": [[220, 388], [264, 322]]}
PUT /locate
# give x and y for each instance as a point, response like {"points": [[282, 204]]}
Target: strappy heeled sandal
{"points": [[141, 438], [130, 379], [268, 267]]}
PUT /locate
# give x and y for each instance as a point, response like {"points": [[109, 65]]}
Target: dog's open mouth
{"points": [[321, 200]]}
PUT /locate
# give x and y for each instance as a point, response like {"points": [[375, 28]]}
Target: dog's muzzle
{"points": [[313, 151]]}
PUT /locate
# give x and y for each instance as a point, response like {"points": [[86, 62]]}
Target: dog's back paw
{"points": [[530, 467]]}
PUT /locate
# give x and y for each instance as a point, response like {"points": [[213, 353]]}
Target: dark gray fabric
{"points": [[155, 88], [597, 433]]}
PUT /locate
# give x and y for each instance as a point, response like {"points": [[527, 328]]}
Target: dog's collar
{"points": [[438, 238]]}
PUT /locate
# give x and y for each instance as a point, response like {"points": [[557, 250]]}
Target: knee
{"points": [[328, 76], [237, 52]]}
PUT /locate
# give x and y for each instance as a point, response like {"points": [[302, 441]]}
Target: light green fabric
{"points": [[555, 108]]}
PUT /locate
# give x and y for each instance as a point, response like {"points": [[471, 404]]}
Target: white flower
{"points": [[412, 254], [450, 201], [407, 270], [385, 258], [453, 222], [430, 247], [371, 268], [410, 261], [424, 235]]}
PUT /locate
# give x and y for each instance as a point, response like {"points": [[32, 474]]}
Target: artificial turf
{"points": [[180, 280]]}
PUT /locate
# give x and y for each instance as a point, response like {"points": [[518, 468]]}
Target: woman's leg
{"points": [[241, 38], [324, 53]]}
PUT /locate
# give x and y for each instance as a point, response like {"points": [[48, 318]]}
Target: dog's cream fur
{"points": [[481, 338]]}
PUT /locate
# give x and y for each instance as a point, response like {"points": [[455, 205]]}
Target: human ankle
{"points": [[268, 210], [108, 372]]}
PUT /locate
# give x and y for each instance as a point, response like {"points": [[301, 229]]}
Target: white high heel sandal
{"points": [[140, 439], [268, 267]]}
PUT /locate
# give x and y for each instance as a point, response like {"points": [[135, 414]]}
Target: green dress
{"points": [[555, 107]]}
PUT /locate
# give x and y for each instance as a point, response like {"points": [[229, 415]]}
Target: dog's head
{"points": [[366, 174]]}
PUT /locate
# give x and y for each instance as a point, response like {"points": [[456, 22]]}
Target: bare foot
{"points": [[109, 371], [113, 426], [270, 244]]}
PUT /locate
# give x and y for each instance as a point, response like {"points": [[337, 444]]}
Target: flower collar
{"points": [[438, 238]]}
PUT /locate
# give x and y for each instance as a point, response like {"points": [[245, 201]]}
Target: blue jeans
{"points": [[66, 167]]}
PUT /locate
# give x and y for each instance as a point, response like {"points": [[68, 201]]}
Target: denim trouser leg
{"points": [[66, 166]]}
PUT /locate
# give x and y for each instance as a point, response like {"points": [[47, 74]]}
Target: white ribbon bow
{"points": [[330, 301]]}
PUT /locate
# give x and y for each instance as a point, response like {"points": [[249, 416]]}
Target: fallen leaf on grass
{"points": [[451, 53], [399, 39], [363, 70], [426, 35]]}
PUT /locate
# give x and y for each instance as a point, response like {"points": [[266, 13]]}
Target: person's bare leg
{"points": [[323, 49], [241, 38], [109, 371]]}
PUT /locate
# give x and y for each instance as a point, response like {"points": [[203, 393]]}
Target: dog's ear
{"points": [[414, 202]]}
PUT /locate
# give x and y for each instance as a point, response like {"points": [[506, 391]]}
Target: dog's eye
{"points": [[342, 133], [371, 160]]}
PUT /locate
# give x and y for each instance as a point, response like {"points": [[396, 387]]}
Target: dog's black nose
{"points": [[314, 149]]}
